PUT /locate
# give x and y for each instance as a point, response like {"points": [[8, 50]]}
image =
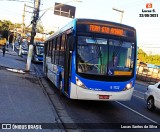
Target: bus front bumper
{"points": [[77, 92]]}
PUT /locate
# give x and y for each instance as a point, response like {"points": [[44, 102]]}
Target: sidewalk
{"points": [[12, 60], [22, 98]]}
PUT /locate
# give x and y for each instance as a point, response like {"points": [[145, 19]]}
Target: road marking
{"points": [[138, 113], [134, 94], [138, 91], [139, 97]]}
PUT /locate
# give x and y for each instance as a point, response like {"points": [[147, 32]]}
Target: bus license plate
{"points": [[103, 96]]}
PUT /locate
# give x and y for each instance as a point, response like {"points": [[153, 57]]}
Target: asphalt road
{"points": [[96, 112], [133, 112]]}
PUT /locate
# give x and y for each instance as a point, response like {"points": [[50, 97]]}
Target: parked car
{"points": [[152, 96], [24, 51], [24, 48]]}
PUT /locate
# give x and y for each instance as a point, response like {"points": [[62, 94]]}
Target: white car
{"points": [[152, 96], [24, 51]]}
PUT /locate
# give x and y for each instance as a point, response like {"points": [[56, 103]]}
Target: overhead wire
{"points": [[18, 1]]}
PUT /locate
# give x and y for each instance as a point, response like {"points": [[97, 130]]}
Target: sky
{"points": [[148, 28]]}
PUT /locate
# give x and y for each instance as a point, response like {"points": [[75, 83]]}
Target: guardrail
{"points": [[148, 74]]}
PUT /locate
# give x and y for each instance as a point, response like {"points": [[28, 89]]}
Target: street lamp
{"points": [[121, 11]]}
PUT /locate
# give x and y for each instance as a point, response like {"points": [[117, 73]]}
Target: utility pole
{"points": [[121, 11], [33, 32], [23, 16], [23, 29], [34, 21]]}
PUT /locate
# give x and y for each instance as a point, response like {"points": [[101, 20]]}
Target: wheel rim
{"points": [[150, 103]]}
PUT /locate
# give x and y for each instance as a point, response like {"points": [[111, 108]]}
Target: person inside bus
{"points": [[81, 67], [114, 62]]}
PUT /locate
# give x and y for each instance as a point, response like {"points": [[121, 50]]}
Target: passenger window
{"points": [[62, 51], [53, 50], [57, 51], [50, 48], [159, 86]]}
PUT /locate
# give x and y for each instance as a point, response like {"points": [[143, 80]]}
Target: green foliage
{"points": [[4, 25], [4, 28], [152, 59], [40, 28], [51, 32], [18, 25]]}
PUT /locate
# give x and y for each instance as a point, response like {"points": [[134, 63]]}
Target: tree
{"points": [[51, 32], [4, 28], [141, 55], [40, 28], [152, 59], [4, 25], [18, 25]]}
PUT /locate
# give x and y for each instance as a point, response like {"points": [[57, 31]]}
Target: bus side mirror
{"points": [[71, 43]]}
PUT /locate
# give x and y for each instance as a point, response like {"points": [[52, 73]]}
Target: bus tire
{"points": [[33, 60], [60, 88], [46, 72]]}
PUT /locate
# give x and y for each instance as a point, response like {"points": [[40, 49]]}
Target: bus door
{"points": [[68, 61]]}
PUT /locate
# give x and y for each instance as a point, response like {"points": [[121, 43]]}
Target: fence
{"points": [[148, 74]]}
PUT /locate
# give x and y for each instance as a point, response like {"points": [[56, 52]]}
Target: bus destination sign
{"points": [[106, 30]]}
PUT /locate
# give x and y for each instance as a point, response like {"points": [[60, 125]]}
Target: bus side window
{"points": [[48, 48], [53, 50], [62, 50], [57, 51], [45, 48]]}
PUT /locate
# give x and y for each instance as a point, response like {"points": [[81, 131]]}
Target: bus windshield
{"points": [[39, 50], [104, 56]]}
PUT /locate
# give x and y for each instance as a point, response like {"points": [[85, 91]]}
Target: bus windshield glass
{"points": [[104, 56], [39, 50]]}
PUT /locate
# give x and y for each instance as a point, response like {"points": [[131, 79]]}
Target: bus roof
{"points": [[88, 21]]}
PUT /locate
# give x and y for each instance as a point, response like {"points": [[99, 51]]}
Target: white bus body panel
{"points": [[85, 94], [51, 74]]}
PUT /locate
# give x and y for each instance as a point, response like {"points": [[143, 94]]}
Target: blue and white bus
{"points": [[38, 51], [92, 60]]}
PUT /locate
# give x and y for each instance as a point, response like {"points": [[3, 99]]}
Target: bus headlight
{"points": [[79, 83], [128, 86]]}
